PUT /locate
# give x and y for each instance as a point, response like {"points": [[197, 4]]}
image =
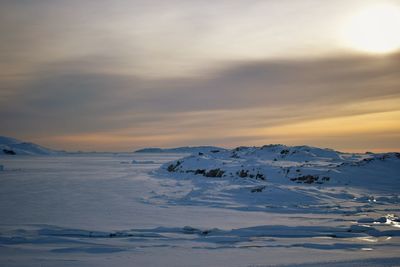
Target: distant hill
{"points": [[185, 149], [12, 146]]}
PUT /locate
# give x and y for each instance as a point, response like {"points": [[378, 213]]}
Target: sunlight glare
{"points": [[375, 29]]}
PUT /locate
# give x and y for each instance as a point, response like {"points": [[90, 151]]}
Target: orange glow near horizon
{"points": [[343, 133]]}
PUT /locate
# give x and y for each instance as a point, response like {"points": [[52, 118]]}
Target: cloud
{"points": [[80, 74], [238, 102], [166, 38]]}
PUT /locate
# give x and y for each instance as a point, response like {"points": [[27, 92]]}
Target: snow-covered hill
{"points": [[183, 150], [11, 146], [292, 165]]}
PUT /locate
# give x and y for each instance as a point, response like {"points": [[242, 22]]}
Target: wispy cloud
{"points": [[242, 99], [82, 74]]}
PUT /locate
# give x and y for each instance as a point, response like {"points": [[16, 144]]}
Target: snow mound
{"points": [[296, 164], [11, 146]]}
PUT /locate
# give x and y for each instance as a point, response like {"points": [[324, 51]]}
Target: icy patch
{"points": [[62, 240]]}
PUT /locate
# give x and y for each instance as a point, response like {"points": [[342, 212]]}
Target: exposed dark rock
{"points": [[205, 232], [284, 152], [214, 173], [246, 173], [9, 152], [200, 171], [260, 176], [306, 179], [257, 189], [235, 155], [368, 159], [172, 167], [243, 173]]}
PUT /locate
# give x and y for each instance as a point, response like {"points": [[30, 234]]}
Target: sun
{"points": [[375, 29]]}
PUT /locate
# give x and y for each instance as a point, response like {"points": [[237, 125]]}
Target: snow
{"points": [[287, 165], [95, 210]]}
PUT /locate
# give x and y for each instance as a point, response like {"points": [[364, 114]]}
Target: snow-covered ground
{"points": [[129, 210]]}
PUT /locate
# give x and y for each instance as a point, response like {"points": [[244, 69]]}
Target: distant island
{"points": [[184, 149]]}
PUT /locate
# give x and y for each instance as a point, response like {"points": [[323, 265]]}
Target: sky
{"points": [[121, 75]]}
